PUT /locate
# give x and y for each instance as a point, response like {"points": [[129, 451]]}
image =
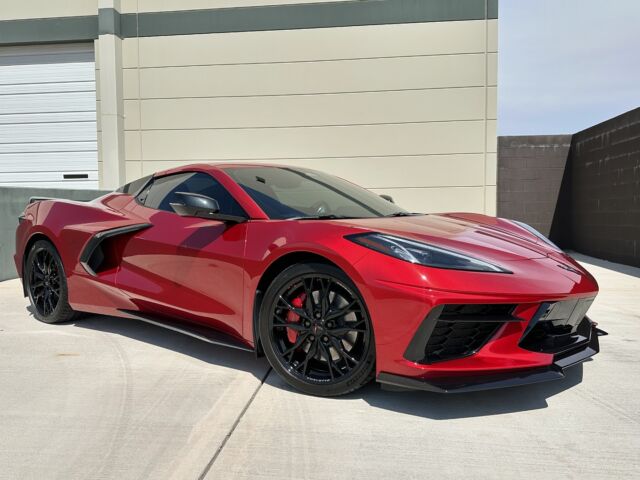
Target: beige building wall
{"points": [[29, 9], [407, 110]]}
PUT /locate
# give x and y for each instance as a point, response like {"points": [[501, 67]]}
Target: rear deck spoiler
{"points": [[39, 199]]}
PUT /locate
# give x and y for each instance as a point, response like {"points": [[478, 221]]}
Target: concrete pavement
{"points": [[108, 398]]}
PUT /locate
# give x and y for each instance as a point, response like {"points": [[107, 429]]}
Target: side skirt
{"points": [[201, 333]]}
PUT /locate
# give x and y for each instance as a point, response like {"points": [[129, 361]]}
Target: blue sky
{"points": [[564, 65]]}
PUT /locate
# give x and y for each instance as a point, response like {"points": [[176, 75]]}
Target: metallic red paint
{"points": [[207, 272]]}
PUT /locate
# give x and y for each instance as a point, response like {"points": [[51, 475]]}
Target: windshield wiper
{"points": [[404, 214], [321, 217]]}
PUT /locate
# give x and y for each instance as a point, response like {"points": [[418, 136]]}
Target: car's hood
{"points": [[481, 240]]}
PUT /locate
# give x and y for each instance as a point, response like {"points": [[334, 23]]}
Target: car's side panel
{"points": [[186, 267], [69, 226]]}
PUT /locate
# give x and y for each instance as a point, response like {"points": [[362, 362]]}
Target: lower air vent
{"points": [[558, 327], [451, 340], [457, 331]]}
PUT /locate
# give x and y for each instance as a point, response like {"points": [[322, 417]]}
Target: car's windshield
{"points": [[285, 193]]}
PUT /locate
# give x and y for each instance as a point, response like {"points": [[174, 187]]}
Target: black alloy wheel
{"points": [[46, 284], [316, 332]]}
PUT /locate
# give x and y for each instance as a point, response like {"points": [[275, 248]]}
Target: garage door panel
{"points": [[45, 147], [48, 132], [48, 102], [48, 115], [48, 87], [46, 73], [57, 117], [47, 176], [42, 161]]}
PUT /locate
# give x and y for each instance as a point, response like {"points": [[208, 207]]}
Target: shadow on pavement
{"points": [[423, 404], [438, 406], [177, 342], [615, 267]]}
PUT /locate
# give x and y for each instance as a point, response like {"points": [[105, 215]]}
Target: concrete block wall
{"points": [[605, 189], [581, 190], [12, 203], [530, 173]]}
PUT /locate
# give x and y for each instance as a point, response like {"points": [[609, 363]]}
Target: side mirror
{"points": [[201, 206], [388, 198]]}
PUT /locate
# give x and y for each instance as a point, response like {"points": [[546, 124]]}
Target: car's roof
{"points": [[212, 166]]}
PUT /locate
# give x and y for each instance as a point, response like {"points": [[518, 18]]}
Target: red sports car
{"points": [[332, 283]]}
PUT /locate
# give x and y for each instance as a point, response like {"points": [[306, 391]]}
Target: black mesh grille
{"points": [[451, 340], [461, 330]]}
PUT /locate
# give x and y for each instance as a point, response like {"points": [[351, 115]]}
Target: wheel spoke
{"points": [[325, 289], [308, 299], [301, 339], [293, 326], [338, 332], [298, 311], [311, 353], [337, 344], [330, 363], [343, 311]]}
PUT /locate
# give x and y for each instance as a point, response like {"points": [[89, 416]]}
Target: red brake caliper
{"points": [[293, 317]]}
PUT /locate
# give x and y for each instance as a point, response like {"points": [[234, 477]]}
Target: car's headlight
{"points": [[535, 232], [422, 253]]}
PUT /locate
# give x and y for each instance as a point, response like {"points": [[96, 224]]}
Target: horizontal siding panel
{"points": [[437, 199], [48, 102], [282, 143], [492, 69], [492, 35], [382, 172], [132, 115], [48, 132], [317, 77], [47, 8], [173, 5], [338, 109], [492, 103], [433, 38]]}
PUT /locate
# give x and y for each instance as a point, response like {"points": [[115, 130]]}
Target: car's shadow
{"points": [[439, 406], [423, 404], [176, 342]]}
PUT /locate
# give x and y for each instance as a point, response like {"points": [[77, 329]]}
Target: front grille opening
{"points": [[461, 330], [559, 327], [483, 312], [451, 340]]}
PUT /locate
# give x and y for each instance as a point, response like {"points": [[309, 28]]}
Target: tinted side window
{"points": [[133, 187], [162, 192]]}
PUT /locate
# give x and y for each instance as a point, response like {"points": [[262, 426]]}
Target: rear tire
{"points": [[46, 284], [316, 332]]}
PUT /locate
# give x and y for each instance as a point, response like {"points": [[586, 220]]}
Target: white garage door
{"points": [[48, 134]]}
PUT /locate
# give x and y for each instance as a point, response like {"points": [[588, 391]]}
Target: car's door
{"points": [[186, 267]]}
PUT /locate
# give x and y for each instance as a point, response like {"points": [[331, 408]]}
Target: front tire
{"points": [[316, 332], [46, 284]]}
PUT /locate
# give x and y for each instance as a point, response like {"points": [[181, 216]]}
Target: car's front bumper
{"points": [[470, 383]]}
